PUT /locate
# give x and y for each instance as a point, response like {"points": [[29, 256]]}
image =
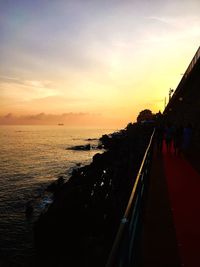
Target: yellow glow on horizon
{"points": [[110, 63]]}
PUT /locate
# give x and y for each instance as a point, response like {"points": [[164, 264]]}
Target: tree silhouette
{"points": [[145, 115]]}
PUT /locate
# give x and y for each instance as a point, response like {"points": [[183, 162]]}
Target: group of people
{"points": [[177, 138]]}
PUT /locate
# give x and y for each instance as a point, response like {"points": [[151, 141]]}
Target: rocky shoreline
{"points": [[79, 226]]}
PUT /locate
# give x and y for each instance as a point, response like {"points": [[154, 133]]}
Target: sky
{"points": [[92, 63]]}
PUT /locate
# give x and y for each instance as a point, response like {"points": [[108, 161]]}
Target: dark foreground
{"points": [[79, 227]]}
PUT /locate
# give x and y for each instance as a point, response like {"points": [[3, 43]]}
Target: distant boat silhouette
{"points": [[60, 124]]}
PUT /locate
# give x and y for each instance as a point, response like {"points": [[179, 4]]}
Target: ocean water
{"points": [[31, 157]]}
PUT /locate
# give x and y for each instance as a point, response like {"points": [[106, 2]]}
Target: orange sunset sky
{"points": [[92, 62]]}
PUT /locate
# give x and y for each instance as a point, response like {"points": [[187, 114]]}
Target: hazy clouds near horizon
{"points": [[112, 58]]}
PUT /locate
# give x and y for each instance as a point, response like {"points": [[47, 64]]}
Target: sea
{"points": [[31, 158]]}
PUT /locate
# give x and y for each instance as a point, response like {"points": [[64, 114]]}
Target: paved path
{"points": [[171, 222], [158, 242], [184, 193]]}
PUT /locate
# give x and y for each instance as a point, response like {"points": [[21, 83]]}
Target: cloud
{"points": [[170, 29], [70, 119], [24, 89], [164, 20], [9, 79], [29, 83], [43, 118]]}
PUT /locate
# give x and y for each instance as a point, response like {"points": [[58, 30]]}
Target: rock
{"points": [[86, 212], [81, 147], [100, 146]]}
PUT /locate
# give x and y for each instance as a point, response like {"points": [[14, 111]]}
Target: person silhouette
{"points": [[187, 135], [169, 130], [159, 137], [178, 140]]}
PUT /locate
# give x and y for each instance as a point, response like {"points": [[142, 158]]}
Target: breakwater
{"points": [[79, 227]]}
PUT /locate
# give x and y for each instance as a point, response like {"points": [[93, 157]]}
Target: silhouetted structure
{"points": [[184, 105]]}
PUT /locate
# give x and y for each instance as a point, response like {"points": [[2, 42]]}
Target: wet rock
{"points": [[81, 147]]}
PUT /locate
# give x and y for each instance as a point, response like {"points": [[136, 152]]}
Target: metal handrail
{"points": [[127, 214]]}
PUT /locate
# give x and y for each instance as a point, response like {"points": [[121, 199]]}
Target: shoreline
{"points": [[29, 183], [86, 211]]}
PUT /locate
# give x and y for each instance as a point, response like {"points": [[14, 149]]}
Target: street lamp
{"points": [[170, 93]]}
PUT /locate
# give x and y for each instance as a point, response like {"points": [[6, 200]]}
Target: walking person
{"points": [[187, 136], [169, 136], [178, 140], [159, 138]]}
